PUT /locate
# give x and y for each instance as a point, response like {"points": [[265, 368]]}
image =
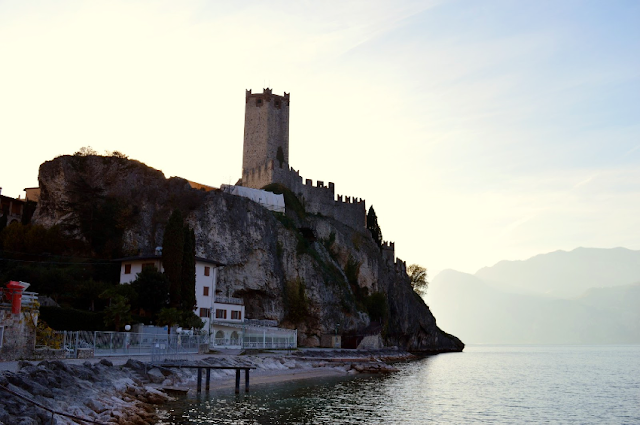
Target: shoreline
{"points": [[129, 390]]}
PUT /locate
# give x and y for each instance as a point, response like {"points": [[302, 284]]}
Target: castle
{"points": [[265, 160]]}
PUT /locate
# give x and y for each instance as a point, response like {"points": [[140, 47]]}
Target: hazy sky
{"points": [[479, 130]]}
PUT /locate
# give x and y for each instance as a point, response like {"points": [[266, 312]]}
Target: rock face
{"points": [[98, 392], [309, 272]]}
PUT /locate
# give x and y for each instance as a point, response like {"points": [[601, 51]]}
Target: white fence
{"points": [[159, 347]]}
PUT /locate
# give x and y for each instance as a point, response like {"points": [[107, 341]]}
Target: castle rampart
{"points": [[389, 251], [318, 199]]}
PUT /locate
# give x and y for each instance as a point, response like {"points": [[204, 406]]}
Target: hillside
{"points": [[309, 272]]}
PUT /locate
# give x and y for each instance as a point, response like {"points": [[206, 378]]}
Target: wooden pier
{"points": [[208, 376]]}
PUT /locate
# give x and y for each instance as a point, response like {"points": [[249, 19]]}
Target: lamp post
{"points": [[126, 338]]}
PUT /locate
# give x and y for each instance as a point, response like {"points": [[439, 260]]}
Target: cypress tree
{"points": [[172, 255], [188, 280], [372, 225]]}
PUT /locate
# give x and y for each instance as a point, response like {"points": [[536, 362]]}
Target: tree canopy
{"points": [[418, 276], [152, 287], [188, 271], [172, 254], [374, 228]]}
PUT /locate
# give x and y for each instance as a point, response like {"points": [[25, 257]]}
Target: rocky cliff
{"points": [[307, 271]]}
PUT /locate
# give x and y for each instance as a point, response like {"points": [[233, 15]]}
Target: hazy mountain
{"points": [[566, 274], [501, 312]]}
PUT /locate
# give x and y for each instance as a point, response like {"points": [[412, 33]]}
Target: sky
{"points": [[479, 131]]}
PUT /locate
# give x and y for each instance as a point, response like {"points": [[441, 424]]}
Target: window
{"points": [[236, 315], [205, 291], [277, 103], [258, 102], [144, 265], [221, 314], [204, 312], [127, 269], [207, 271]]}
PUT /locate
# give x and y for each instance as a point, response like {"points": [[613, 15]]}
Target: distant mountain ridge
{"points": [[550, 299], [566, 274]]}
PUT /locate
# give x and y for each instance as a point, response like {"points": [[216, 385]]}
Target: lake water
{"points": [[484, 384]]}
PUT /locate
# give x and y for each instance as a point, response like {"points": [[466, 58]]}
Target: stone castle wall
{"points": [[266, 128], [319, 199]]}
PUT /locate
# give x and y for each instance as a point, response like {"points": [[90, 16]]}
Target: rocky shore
{"points": [[131, 392]]}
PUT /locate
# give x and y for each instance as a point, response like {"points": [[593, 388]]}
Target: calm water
{"points": [[485, 384]]}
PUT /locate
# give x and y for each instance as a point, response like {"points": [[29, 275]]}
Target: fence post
{"points": [[75, 351]]}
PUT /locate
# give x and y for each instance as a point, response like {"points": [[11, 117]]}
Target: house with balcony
{"points": [[224, 317], [206, 276]]}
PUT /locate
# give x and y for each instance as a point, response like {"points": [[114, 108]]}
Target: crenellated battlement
{"points": [[318, 199], [400, 266], [267, 96], [389, 251]]}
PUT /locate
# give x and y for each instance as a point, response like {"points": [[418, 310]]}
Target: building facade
{"points": [[206, 277]]}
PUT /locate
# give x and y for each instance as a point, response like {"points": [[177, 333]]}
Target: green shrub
{"points": [[296, 301], [291, 201], [376, 305], [352, 270]]}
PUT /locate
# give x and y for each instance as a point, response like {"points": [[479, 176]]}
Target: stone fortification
{"points": [[389, 252], [266, 128], [319, 199], [265, 160]]}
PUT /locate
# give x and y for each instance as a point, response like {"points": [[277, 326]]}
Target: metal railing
{"points": [[136, 344], [105, 344], [264, 323], [229, 300], [29, 299]]}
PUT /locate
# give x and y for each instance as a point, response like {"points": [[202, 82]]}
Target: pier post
{"points": [[237, 381], [208, 378], [246, 380], [199, 379]]}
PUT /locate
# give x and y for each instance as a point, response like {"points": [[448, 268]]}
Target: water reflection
{"points": [[317, 401], [503, 384]]}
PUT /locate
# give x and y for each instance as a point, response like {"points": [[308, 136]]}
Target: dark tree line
{"points": [[374, 228]]}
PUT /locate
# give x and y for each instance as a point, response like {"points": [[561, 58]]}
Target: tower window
{"points": [[258, 102], [277, 103]]}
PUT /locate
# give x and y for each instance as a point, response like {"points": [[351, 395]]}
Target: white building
{"points": [[206, 277], [224, 317]]}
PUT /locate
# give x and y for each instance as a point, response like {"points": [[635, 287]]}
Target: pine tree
{"points": [[188, 279], [172, 255], [372, 225]]}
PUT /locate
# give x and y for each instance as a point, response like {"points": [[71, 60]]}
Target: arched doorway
{"points": [[220, 338]]}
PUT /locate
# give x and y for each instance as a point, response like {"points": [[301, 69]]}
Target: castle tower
{"points": [[266, 129]]}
